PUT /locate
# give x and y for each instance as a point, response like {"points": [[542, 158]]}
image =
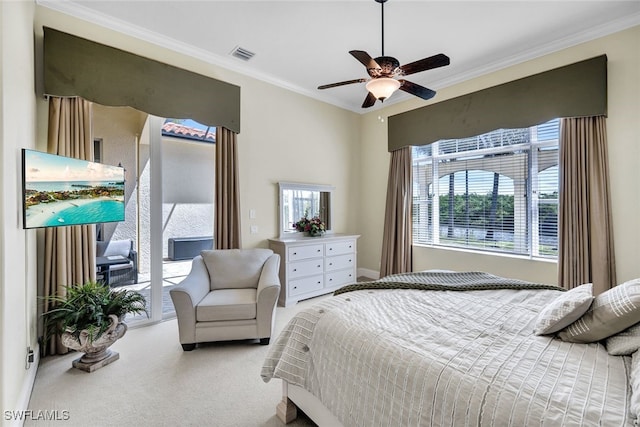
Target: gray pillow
{"points": [[624, 343], [611, 312], [564, 310]]}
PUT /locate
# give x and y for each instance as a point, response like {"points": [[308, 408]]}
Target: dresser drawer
{"points": [[339, 278], [306, 284], [303, 252], [340, 262], [339, 248], [305, 268]]}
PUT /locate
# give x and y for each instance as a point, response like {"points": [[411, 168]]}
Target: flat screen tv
{"points": [[61, 191]]}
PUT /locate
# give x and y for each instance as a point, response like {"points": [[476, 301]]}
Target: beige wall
{"points": [[623, 124], [18, 247]]}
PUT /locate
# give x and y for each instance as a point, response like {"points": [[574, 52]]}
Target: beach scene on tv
{"points": [[61, 191]]}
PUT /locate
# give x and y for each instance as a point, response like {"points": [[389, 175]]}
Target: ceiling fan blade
{"points": [[435, 61], [347, 82], [417, 90], [369, 100], [364, 58]]}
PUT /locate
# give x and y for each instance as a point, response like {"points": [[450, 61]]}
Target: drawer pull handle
{"points": [[295, 287], [318, 250], [319, 266], [295, 253], [295, 269], [319, 282], [330, 263]]}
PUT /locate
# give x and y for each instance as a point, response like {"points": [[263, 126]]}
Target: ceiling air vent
{"points": [[242, 53]]}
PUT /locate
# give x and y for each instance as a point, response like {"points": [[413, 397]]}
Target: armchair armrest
{"points": [[267, 296], [133, 256], [187, 295]]}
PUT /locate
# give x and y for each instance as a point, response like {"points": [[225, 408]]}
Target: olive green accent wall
{"points": [[74, 66], [575, 90]]}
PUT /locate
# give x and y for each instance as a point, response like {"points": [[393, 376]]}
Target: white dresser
{"points": [[312, 266]]}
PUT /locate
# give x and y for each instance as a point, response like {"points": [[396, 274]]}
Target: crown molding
{"points": [[86, 14]]}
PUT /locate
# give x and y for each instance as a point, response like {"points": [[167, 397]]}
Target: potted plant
{"points": [[89, 318]]}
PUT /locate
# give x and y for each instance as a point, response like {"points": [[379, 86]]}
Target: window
{"points": [[493, 192]]}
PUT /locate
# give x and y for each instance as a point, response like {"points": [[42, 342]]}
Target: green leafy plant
{"points": [[87, 307]]}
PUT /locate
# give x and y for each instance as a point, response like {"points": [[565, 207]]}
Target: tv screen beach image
{"points": [[61, 191]]}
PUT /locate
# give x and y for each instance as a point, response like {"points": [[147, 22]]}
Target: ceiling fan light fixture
{"points": [[382, 87]]}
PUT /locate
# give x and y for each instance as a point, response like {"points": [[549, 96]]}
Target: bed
{"points": [[449, 349]]}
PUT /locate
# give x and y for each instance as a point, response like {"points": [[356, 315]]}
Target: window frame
{"points": [[430, 237]]}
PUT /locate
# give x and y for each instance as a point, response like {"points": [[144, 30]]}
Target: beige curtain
{"points": [[586, 253], [69, 251], [397, 237], [227, 200]]}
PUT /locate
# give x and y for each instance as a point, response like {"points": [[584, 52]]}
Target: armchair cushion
{"points": [[235, 268], [227, 304], [114, 247]]}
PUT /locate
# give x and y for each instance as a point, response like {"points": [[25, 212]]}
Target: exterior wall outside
{"points": [[624, 157], [187, 181]]}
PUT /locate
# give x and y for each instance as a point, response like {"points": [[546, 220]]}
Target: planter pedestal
{"points": [[97, 352], [92, 366]]}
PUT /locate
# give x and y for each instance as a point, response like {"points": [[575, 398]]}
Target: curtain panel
{"points": [[397, 236], [69, 252], [585, 229], [227, 203]]}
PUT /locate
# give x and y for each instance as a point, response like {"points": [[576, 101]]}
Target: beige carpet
{"points": [[155, 383]]}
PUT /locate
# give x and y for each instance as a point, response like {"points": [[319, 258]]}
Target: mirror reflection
{"points": [[299, 200]]}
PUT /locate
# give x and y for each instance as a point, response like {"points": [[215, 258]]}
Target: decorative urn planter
{"points": [[96, 352]]}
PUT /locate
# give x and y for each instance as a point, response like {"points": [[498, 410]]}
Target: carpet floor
{"points": [[155, 383]]}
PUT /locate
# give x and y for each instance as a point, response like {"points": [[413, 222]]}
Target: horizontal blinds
{"points": [[74, 66], [575, 90], [496, 192]]}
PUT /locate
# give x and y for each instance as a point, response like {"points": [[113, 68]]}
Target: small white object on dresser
{"points": [[312, 266]]}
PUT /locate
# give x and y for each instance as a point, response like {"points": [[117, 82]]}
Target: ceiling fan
{"points": [[384, 69]]}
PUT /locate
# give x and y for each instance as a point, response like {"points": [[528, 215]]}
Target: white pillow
{"points": [[612, 312], [624, 343], [564, 310]]}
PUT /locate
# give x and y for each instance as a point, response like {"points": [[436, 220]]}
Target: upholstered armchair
{"points": [[230, 294]]}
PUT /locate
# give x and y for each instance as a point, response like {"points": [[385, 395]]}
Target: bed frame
{"points": [[294, 398]]}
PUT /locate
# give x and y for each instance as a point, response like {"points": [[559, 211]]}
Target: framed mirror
{"points": [[298, 199]]}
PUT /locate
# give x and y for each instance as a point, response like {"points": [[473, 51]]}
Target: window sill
{"points": [[488, 253]]}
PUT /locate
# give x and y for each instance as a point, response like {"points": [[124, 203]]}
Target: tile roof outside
{"points": [[178, 130]]}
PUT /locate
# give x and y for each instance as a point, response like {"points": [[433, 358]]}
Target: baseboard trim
{"points": [[372, 274], [27, 389]]}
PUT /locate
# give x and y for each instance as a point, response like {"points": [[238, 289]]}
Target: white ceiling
{"points": [[302, 44]]}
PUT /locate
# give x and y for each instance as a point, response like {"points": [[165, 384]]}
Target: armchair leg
{"points": [[264, 341], [188, 347]]}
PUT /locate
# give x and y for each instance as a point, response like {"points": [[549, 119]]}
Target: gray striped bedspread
{"points": [[447, 358]]}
